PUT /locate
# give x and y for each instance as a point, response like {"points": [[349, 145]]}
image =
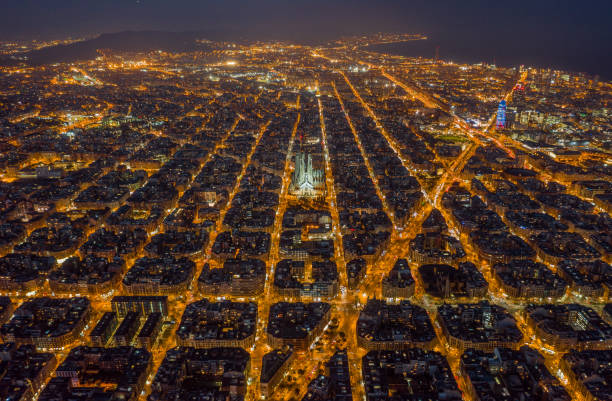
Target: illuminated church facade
{"points": [[307, 182]]}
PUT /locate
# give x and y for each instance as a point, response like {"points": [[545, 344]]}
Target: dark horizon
{"points": [[519, 32], [312, 19]]}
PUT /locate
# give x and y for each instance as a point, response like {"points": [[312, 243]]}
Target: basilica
{"points": [[307, 182]]}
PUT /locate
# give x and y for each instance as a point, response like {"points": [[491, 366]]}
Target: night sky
{"points": [[574, 29]]}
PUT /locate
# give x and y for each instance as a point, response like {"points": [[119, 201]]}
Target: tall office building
{"points": [[501, 115]]}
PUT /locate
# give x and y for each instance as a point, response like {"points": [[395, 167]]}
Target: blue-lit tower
{"points": [[501, 115]]}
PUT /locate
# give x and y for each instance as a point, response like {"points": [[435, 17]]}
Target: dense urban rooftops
{"points": [[205, 324], [408, 373], [506, 374], [445, 281], [99, 373], [388, 326], [190, 373], [482, 325], [47, 322], [569, 326]]}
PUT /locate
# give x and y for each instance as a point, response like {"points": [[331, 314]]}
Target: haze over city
{"points": [[323, 200]]}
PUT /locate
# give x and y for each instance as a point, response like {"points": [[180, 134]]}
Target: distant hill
{"points": [[128, 41]]}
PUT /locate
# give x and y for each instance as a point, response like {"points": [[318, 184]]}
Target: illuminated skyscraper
{"points": [[501, 115]]}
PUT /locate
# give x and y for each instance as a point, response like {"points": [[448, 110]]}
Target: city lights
{"points": [[279, 221]]}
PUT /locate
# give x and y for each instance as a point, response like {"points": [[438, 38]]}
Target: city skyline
{"points": [[542, 34]]}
